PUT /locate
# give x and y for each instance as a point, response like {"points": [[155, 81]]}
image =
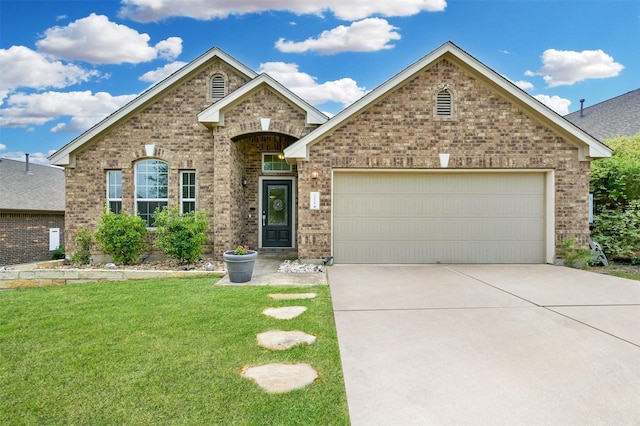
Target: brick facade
{"points": [[24, 237], [487, 131], [221, 158], [490, 129]]}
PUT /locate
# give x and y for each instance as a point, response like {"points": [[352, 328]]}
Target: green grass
{"points": [[159, 352]]}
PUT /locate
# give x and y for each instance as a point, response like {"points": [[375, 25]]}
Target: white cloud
{"points": [[566, 67], [161, 73], [350, 10], [85, 109], [34, 157], [524, 85], [556, 103], [2, 147], [344, 91], [170, 48], [97, 40], [368, 35], [23, 67]]}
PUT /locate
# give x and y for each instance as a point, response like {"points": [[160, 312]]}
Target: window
{"points": [[218, 88], [444, 104], [188, 191], [114, 191], [275, 163], [152, 188]]}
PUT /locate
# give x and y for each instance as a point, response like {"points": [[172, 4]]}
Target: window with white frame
{"points": [[187, 191], [218, 88], [114, 191], [152, 188], [275, 163]]}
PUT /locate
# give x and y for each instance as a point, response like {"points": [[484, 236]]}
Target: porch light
{"points": [[244, 181], [314, 174], [281, 156]]}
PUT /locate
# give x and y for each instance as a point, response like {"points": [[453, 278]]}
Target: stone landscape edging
{"points": [[17, 278]]}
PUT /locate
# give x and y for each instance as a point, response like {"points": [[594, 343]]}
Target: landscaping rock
{"points": [[287, 312], [293, 296], [280, 340], [298, 268], [280, 378]]}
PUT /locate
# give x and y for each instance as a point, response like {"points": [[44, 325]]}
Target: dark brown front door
{"points": [[277, 228]]}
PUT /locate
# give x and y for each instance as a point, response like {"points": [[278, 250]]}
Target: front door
{"points": [[277, 221]]}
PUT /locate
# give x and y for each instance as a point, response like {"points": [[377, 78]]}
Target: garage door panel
{"points": [[438, 217]]}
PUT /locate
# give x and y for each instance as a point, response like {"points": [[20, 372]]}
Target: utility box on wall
{"points": [[54, 238]]}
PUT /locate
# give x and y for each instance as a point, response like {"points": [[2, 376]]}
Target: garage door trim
{"points": [[549, 196]]}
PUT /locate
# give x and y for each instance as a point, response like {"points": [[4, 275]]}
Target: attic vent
{"points": [[217, 88], [444, 104]]}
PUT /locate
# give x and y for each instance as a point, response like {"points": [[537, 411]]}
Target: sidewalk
{"points": [[265, 272]]}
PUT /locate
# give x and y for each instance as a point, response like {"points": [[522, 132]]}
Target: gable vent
{"points": [[444, 104], [217, 88]]}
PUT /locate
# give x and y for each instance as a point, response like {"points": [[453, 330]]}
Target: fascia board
{"points": [[63, 157], [299, 150]]}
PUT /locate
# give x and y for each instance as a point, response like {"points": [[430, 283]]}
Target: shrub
{"points": [[180, 236], [58, 253], [573, 255], [618, 232], [121, 236], [84, 242]]}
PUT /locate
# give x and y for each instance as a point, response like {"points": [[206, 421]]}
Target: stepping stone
{"points": [[293, 296], [287, 312], [280, 378], [281, 340]]}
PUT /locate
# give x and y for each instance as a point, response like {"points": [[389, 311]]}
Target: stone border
{"points": [[16, 278]]}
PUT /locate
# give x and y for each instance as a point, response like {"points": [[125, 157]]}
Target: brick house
{"points": [[31, 211], [368, 185]]}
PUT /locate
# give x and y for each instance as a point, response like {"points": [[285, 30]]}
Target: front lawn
{"points": [[159, 352]]}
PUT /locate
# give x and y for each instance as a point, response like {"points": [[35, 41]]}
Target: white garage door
{"points": [[431, 217]]}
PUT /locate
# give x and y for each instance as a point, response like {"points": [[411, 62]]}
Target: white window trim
{"points": [[109, 198], [148, 200], [264, 154], [188, 200]]}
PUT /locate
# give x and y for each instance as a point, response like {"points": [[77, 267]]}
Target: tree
{"points": [[615, 184]]}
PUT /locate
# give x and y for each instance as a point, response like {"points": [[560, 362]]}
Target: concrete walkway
{"points": [[265, 272], [487, 345]]}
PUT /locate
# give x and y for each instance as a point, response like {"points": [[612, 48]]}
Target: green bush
{"points": [[58, 253], [180, 236], [618, 232], [573, 255], [615, 181], [121, 236], [84, 242]]}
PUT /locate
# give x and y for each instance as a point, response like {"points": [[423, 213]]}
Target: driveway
{"points": [[487, 345]]}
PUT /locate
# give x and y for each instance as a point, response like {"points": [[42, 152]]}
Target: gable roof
{"points": [[214, 114], [619, 116], [40, 189], [589, 147], [64, 157]]}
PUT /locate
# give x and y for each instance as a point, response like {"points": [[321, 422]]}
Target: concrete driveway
{"points": [[487, 345]]}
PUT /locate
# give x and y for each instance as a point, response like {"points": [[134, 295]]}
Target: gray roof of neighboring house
{"points": [[619, 116], [42, 189]]}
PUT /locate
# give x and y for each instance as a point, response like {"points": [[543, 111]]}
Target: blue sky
{"points": [[65, 65]]}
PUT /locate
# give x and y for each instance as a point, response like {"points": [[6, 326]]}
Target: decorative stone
{"points": [[293, 296], [287, 312], [280, 378], [280, 340], [111, 266]]}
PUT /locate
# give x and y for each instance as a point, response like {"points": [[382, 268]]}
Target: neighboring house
{"points": [[619, 116], [366, 186], [31, 211]]}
